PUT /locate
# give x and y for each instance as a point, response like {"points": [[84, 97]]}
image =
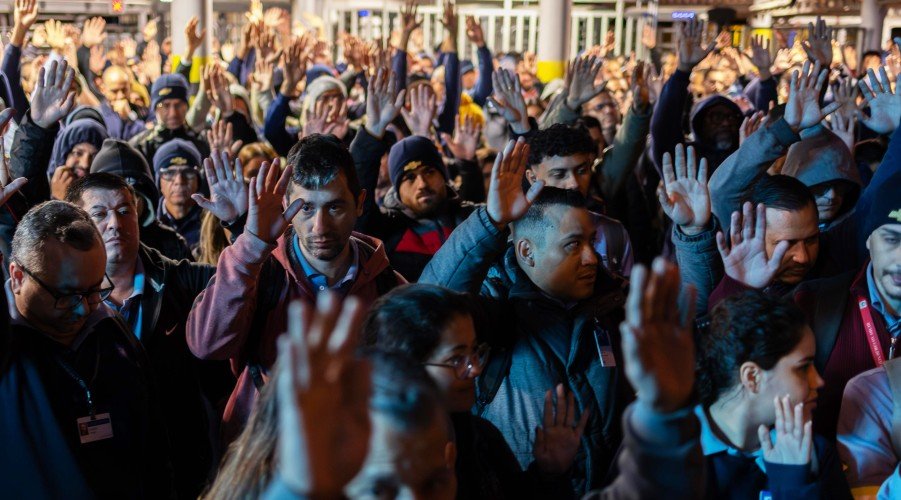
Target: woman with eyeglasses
{"points": [[437, 327]]}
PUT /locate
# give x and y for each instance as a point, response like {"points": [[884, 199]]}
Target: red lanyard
{"points": [[870, 328]]}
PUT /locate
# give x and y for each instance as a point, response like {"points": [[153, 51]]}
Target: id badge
{"points": [[96, 428], [605, 349]]}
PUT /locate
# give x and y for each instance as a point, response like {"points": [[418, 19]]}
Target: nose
{"points": [[419, 182], [570, 182], [800, 254], [589, 257], [114, 221], [319, 222], [475, 371], [817, 380]]}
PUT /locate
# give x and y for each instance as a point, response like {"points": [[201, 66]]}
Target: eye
{"points": [[581, 171], [336, 209], [307, 208], [572, 246], [98, 215], [124, 211], [456, 360]]}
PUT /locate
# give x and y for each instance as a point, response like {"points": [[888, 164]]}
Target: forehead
{"points": [[791, 224], [459, 331], [568, 220], [84, 146], [889, 230], [336, 189], [105, 197], [806, 347], [66, 267], [564, 162], [408, 456]]}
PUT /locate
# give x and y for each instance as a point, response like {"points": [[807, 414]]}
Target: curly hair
{"points": [[559, 140], [750, 326]]}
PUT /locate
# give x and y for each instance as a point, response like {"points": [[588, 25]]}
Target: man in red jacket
{"points": [[283, 256]]}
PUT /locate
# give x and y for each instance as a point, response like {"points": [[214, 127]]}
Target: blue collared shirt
{"points": [[892, 323], [132, 310], [319, 280]]}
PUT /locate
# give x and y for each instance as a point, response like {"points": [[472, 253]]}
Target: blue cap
{"points": [[466, 66], [177, 152], [169, 86], [411, 153]]}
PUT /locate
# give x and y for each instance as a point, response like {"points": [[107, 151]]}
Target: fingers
{"points": [[204, 203], [209, 169], [633, 301], [548, 410], [560, 416], [721, 245], [346, 332], [760, 222], [763, 434], [681, 170], [747, 228]]}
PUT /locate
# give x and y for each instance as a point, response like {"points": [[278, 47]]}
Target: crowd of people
{"points": [[377, 270]]}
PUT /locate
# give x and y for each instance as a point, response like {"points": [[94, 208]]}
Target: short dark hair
{"points": [[318, 159], [409, 319], [98, 180], [61, 220], [781, 192], [559, 140], [750, 326], [535, 221], [403, 392]]}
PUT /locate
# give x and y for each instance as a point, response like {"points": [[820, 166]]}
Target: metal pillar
{"points": [[553, 37], [872, 16]]}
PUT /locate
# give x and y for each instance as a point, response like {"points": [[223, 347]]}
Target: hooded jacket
{"points": [[225, 313], [665, 132], [148, 142], [77, 132], [547, 343], [821, 157], [117, 157]]}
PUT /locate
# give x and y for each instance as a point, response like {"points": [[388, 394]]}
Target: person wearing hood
{"points": [[120, 115], [177, 165], [714, 121], [321, 87], [169, 100], [73, 151], [823, 163], [119, 158], [300, 252]]}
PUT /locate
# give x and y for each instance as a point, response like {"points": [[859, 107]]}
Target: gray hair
{"points": [[52, 219]]}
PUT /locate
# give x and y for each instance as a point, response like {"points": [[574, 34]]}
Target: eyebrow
{"points": [[890, 232]]}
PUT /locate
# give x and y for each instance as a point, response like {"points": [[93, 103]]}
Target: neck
{"points": [[333, 269], [179, 210], [731, 421], [892, 305], [122, 274]]}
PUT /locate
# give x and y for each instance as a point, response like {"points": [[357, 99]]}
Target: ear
{"points": [[868, 240], [530, 175], [450, 455], [16, 278], [751, 376], [525, 251], [360, 199]]}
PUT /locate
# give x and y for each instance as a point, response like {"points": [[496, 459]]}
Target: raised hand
{"points": [[220, 136], [249, 35], [818, 45], [761, 58], [642, 96], [228, 192], [844, 129], [691, 46], [94, 32], [265, 218], [53, 95], [474, 32], [746, 260], [422, 112], [323, 397], [327, 118], [657, 341], [193, 38], [885, 105], [450, 21], [383, 102], [802, 109], [262, 75], [217, 91], [465, 142], [508, 100], [648, 36], [56, 35], [411, 22], [151, 29], [683, 194], [97, 60], [152, 61], [294, 65], [557, 442], [750, 125], [8, 186], [506, 201], [25, 13], [580, 81], [794, 435], [844, 92]]}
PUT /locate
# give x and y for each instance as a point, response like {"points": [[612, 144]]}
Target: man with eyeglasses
{"points": [[177, 167], [169, 102], [76, 385]]}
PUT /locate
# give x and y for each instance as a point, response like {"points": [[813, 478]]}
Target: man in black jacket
{"points": [[73, 372], [154, 294]]}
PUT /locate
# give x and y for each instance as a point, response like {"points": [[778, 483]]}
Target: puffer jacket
{"points": [[546, 343], [149, 141]]}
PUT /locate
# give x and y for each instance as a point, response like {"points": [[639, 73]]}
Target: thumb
{"points": [[534, 191], [204, 203]]}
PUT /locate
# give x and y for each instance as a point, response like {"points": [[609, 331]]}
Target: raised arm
{"points": [[447, 118], [483, 87], [24, 15], [583, 82]]}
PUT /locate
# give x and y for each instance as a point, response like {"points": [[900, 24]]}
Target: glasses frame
{"points": [[477, 357], [188, 173], [75, 298]]}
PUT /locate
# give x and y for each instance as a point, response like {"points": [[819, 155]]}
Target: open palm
{"points": [[885, 105], [506, 201], [228, 193], [685, 197], [746, 260]]}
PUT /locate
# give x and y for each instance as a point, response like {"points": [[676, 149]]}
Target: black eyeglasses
{"points": [[169, 174], [71, 300], [463, 365]]}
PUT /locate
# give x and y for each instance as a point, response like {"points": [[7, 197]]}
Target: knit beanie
{"points": [[411, 153]]}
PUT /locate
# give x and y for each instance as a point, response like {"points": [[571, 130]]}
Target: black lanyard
{"points": [[85, 386]]}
